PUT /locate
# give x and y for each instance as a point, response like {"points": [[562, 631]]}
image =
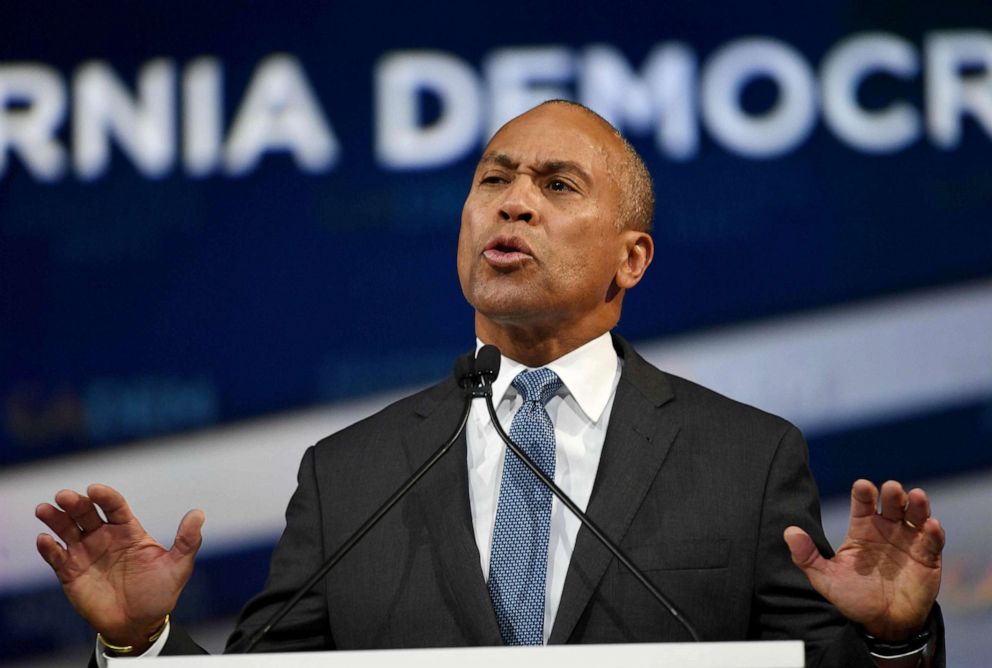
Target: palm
{"points": [[886, 574], [116, 575], [110, 575]]}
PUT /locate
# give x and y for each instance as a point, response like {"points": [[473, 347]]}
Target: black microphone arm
{"points": [[475, 378], [583, 518]]}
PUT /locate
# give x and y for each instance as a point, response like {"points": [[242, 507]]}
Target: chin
{"points": [[506, 305]]}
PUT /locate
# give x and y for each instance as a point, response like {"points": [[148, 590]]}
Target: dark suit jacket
{"points": [[696, 488]]}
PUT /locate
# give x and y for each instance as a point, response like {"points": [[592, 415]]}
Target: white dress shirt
{"points": [[580, 412]]}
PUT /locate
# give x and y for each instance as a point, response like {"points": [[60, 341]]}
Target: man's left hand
{"points": [[887, 573]]}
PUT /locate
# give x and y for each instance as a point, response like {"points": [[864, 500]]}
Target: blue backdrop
{"points": [[208, 212]]}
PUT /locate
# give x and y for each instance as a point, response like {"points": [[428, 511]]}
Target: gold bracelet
{"points": [[127, 649]]}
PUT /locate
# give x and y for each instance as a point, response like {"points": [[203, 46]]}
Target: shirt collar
{"points": [[587, 373]]}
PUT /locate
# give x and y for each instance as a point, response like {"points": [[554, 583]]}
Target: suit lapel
{"points": [[443, 498], [638, 438]]}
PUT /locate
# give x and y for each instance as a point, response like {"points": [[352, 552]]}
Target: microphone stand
{"points": [[586, 522], [470, 394]]}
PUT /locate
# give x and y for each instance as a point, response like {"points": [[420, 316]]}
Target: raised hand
{"points": [[114, 573], [886, 574]]}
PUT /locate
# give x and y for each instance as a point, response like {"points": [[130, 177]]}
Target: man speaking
{"points": [[711, 498]]}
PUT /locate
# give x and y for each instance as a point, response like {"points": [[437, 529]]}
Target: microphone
{"points": [[474, 376], [487, 365], [479, 373], [568, 503], [465, 371]]}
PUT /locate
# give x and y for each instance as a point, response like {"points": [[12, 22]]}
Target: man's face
{"points": [[539, 240]]}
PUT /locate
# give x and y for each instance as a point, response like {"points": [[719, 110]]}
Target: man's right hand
{"points": [[119, 578]]}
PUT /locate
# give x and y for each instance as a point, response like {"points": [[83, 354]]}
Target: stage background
{"points": [[227, 229]]}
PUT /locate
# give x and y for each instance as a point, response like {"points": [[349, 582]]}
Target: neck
{"points": [[533, 345]]}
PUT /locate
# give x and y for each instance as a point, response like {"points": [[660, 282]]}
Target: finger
{"points": [[112, 503], [807, 557], [864, 499], [935, 535], [80, 509], [189, 536], [917, 508], [893, 501], [59, 522], [926, 548], [51, 551]]}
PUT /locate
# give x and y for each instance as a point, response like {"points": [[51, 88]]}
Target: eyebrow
{"points": [[545, 167]]}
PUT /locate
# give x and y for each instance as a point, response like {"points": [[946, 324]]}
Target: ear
{"points": [[638, 253]]}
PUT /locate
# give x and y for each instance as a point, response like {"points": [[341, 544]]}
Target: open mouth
{"points": [[508, 245], [506, 252]]}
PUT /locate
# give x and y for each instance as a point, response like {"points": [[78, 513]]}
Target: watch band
{"points": [[886, 649]]}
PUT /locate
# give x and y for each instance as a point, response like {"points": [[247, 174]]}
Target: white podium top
{"points": [[778, 654]]}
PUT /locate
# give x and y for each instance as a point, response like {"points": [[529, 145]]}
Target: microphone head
{"points": [[487, 363], [464, 370]]}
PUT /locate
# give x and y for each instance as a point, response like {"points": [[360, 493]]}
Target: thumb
{"points": [[805, 555], [188, 537]]}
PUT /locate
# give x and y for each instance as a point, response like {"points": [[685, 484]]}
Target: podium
{"points": [[775, 654]]}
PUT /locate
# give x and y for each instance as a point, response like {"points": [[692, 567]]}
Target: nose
{"points": [[518, 204]]}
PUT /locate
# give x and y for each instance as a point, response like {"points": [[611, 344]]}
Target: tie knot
{"points": [[538, 385]]}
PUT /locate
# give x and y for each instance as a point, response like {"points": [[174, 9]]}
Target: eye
{"points": [[560, 186], [492, 179]]}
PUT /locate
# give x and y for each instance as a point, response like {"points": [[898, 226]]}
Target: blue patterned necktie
{"points": [[519, 560]]}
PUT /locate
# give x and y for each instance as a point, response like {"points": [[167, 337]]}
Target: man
{"points": [[709, 496]]}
